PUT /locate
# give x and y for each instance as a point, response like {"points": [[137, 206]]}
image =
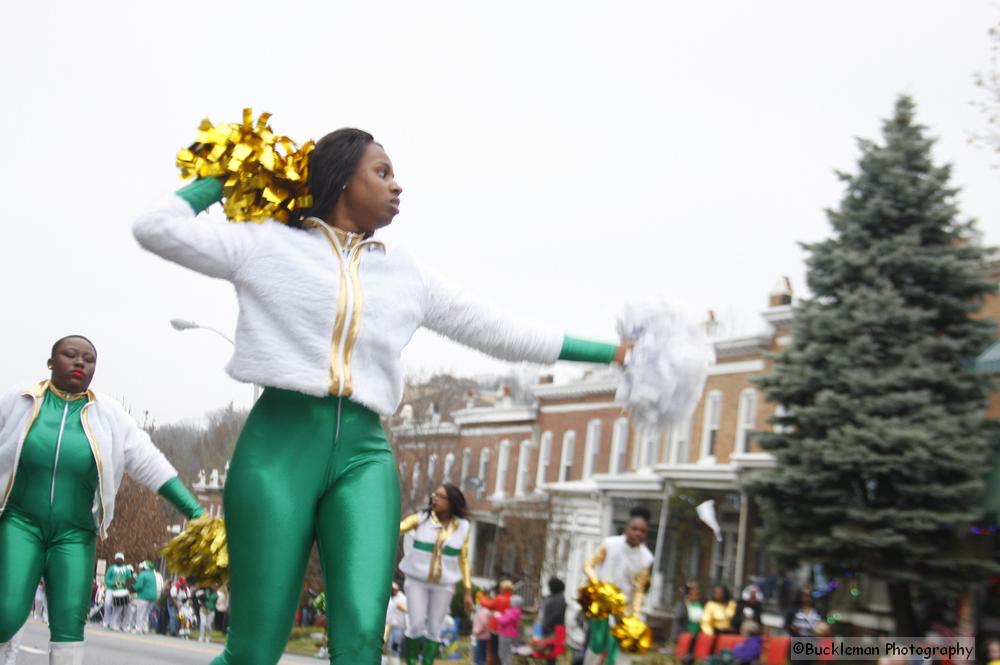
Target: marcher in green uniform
{"points": [[147, 592], [325, 311], [117, 579], [63, 451]]}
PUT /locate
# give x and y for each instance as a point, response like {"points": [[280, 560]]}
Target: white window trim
{"points": [[746, 419], [414, 481], [466, 465], [650, 453], [484, 469], [619, 445], [503, 466], [523, 460], [544, 460], [592, 448], [566, 455], [432, 462], [706, 429], [680, 437], [449, 467]]}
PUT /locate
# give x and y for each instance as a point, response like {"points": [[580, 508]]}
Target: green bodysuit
{"points": [[48, 528], [317, 469]]}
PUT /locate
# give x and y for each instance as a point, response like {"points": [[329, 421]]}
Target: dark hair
{"points": [[331, 164], [459, 508], [556, 585], [59, 341], [639, 511], [725, 592]]}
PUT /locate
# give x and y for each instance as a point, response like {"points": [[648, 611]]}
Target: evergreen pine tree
{"points": [[882, 450]]}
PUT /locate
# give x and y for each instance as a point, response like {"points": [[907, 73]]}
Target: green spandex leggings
{"points": [[64, 557], [310, 469]]}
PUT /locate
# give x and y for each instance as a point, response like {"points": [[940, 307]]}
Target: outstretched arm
{"points": [[591, 564], [452, 313]]}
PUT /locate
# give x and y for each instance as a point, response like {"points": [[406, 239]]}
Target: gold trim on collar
{"points": [[39, 389], [359, 306]]}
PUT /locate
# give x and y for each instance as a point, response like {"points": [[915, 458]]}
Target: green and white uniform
{"points": [[147, 592], [116, 581], [63, 458], [324, 316]]}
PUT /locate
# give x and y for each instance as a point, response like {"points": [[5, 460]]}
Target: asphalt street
{"points": [[105, 647]]}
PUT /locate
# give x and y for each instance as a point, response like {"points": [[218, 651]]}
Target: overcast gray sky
{"points": [[558, 158]]}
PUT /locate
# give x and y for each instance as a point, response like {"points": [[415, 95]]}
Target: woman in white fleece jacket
{"points": [[63, 451], [325, 311]]}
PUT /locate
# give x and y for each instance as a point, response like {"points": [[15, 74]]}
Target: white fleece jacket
{"points": [[121, 445], [288, 282]]}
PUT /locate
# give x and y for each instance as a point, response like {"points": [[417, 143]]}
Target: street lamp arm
{"points": [[184, 324], [219, 333]]}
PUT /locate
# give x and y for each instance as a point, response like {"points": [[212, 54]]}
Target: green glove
{"points": [[583, 350], [201, 193], [180, 498]]}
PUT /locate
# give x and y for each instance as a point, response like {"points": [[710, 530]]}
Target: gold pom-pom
{"points": [[600, 600], [200, 551], [265, 174], [632, 634]]}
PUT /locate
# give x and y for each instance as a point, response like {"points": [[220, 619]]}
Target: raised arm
{"points": [[639, 585], [409, 523], [211, 247], [591, 564]]}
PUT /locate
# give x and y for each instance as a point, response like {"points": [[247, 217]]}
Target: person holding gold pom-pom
{"points": [[63, 451], [624, 561], [325, 311]]}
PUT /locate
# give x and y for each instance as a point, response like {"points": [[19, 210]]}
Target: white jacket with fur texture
{"points": [[118, 443], [320, 324]]}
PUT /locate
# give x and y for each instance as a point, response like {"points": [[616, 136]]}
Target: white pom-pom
{"points": [[665, 373]]}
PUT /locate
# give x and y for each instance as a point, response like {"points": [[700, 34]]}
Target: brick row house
{"points": [[548, 480], [550, 476]]}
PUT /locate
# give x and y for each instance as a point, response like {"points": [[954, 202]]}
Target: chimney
{"points": [[781, 294], [504, 395], [470, 398], [711, 325]]}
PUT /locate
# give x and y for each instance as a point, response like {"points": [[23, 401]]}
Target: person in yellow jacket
{"points": [[435, 558], [717, 615]]}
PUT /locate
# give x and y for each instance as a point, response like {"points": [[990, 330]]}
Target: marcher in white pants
{"points": [[108, 608], [435, 558], [41, 606], [147, 589], [395, 622]]}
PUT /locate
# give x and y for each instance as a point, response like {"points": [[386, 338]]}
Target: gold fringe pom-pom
{"points": [[200, 551], [600, 600], [265, 174], [632, 634]]}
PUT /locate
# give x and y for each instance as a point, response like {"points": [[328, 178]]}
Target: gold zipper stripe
{"points": [[338, 326], [352, 335]]}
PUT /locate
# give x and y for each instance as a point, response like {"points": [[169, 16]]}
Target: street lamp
{"points": [[180, 325]]}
